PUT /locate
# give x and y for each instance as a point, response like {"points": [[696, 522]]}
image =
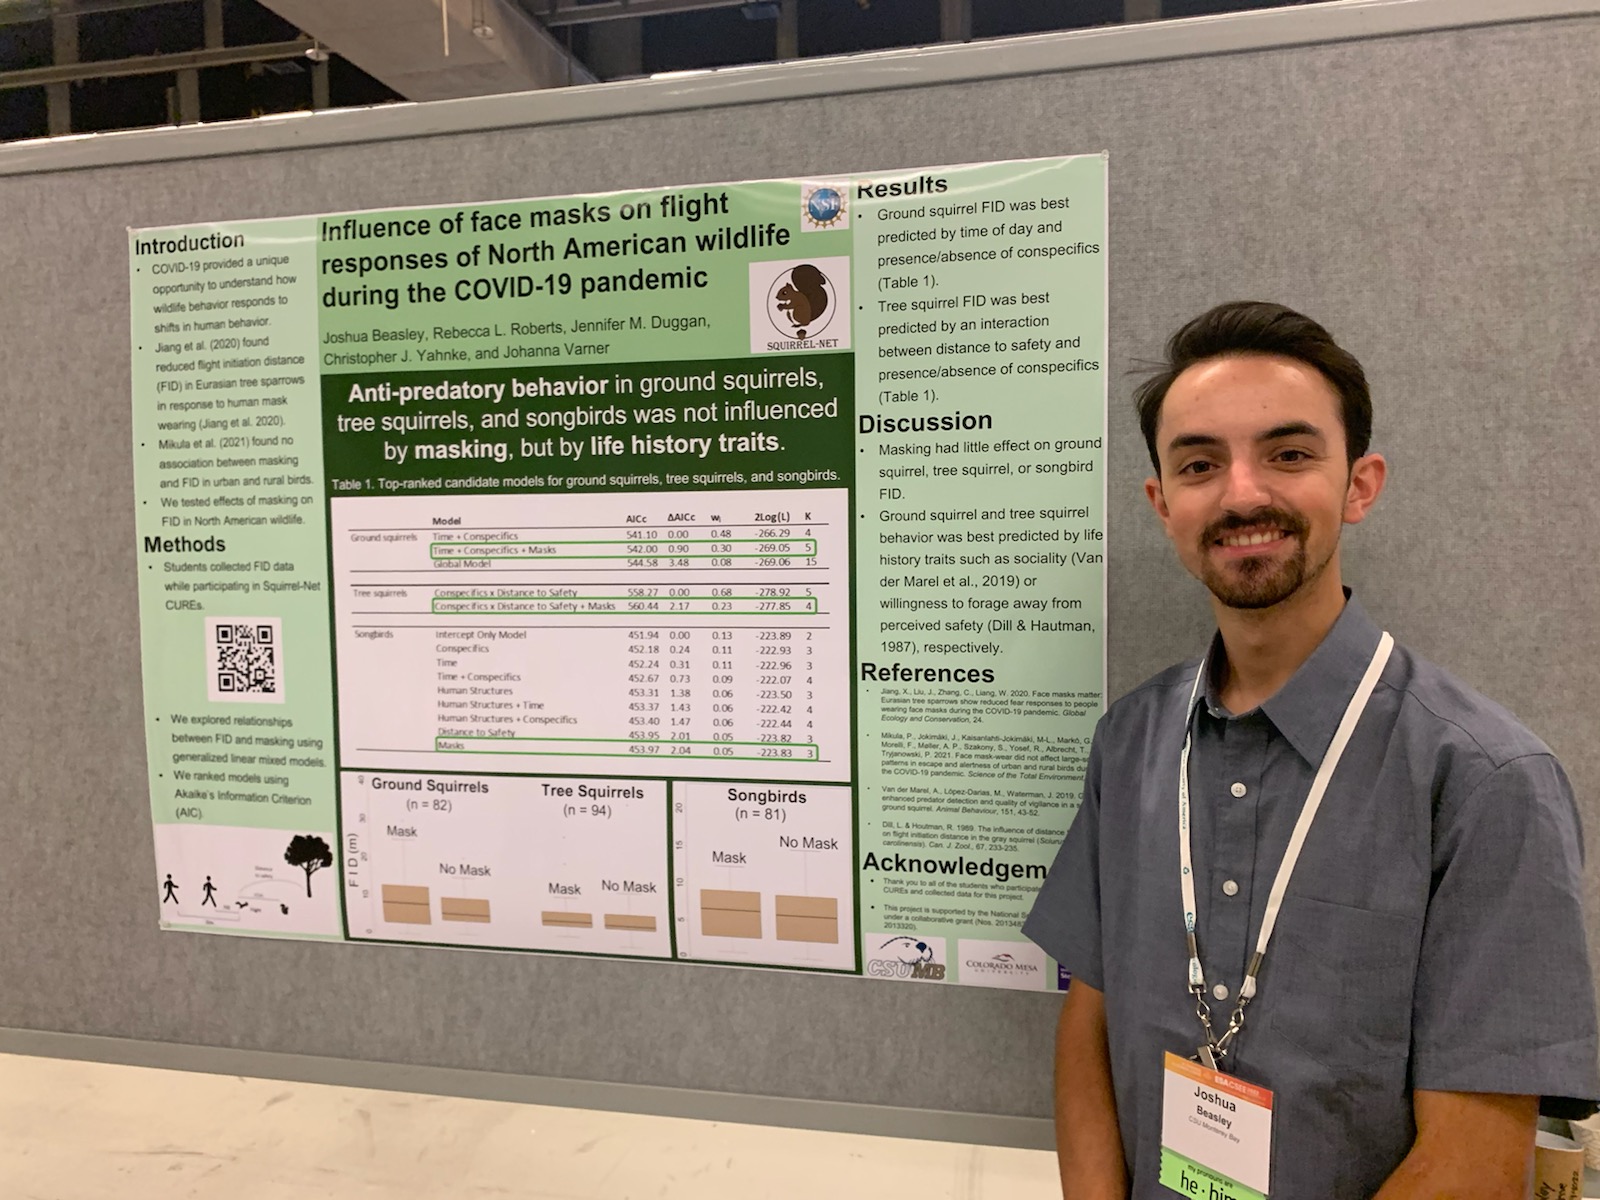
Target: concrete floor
{"points": [[75, 1131]]}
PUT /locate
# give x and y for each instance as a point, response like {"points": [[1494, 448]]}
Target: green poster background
{"points": [[927, 346], [980, 579], [230, 525]]}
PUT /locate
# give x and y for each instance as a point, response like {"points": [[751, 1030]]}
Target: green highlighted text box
{"points": [[654, 551], [815, 752], [1188, 1178], [639, 612]]}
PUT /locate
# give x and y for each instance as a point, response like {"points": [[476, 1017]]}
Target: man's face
{"points": [[1255, 483]]}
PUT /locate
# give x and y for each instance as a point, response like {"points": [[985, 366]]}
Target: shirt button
{"points": [[1238, 789], [1230, 888], [1220, 991]]}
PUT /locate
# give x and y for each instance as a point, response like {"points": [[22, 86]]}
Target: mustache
{"points": [[1291, 523]]}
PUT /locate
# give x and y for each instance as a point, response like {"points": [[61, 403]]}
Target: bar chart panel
{"points": [[507, 861], [764, 873]]}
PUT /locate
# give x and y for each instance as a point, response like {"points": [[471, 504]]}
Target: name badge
{"points": [[1216, 1134]]}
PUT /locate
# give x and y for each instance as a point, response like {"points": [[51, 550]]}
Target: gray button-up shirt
{"points": [[1432, 936]]}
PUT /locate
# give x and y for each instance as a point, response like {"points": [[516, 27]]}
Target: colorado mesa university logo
{"points": [[1006, 964]]}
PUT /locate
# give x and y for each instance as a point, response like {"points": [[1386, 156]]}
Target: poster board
{"points": [[710, 573]]}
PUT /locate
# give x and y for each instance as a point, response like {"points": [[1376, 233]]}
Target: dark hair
{"points": [[1257, 327]]}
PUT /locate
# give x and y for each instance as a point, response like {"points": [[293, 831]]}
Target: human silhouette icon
{"points": [[211, 894], [169, 891]]}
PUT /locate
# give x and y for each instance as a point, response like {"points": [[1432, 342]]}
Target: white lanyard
{"points": [[1215, 1048]]}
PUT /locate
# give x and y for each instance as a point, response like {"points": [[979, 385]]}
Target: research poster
{"points": [[707, 573]]}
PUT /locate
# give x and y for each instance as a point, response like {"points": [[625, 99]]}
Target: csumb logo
{"points": [[824, 205], [905, 956]]}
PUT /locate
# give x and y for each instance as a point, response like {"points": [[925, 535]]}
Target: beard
{"points": [[1255, 583]]}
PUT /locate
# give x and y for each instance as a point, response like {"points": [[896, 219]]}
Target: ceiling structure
{"points": [[76, 66], [426, 50]]}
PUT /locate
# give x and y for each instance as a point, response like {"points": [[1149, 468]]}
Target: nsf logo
{"points": [[824, 206]]}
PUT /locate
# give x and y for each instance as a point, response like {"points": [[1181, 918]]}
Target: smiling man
{"points": [[1321, 905]]}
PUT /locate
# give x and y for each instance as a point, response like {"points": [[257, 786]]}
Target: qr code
{"points": [[244, 659]]}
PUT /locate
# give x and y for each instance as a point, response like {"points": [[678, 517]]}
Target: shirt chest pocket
{"points": [[1341, 981]]}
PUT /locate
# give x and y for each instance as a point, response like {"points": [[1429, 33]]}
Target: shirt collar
{"points": [[1308, 708]]}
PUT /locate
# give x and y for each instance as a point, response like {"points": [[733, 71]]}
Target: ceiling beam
{"points": [[555, 13], [153, 64], [493, 47]]}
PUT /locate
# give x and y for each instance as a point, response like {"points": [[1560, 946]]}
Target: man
{"points": [[1424, 978]]}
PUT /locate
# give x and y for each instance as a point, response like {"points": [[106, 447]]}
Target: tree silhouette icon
{"points": [[310, 854]]}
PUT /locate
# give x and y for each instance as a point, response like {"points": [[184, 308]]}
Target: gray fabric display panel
{"points": [[1430, 197]]}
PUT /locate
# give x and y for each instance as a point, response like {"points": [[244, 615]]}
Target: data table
{"points": [[696, 634]]}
